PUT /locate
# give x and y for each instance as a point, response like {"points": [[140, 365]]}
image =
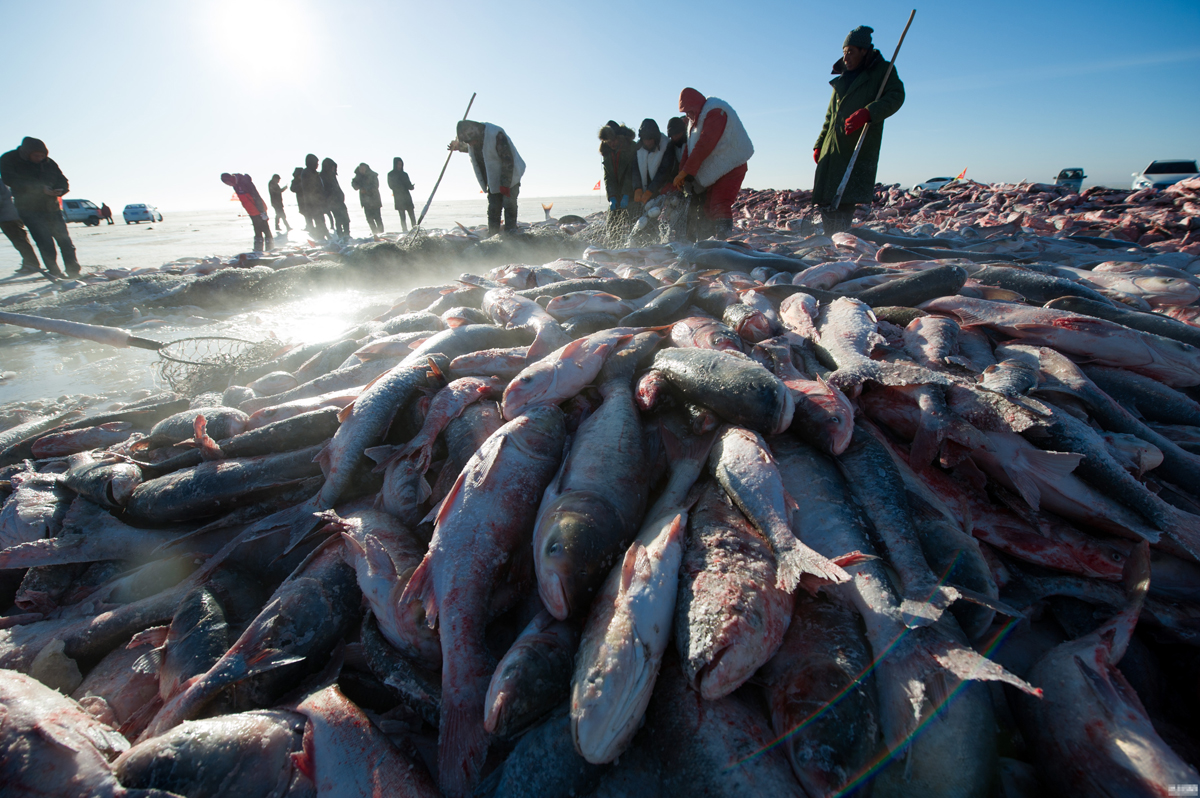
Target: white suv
{"points": [[1160, 174], [77, 210]]}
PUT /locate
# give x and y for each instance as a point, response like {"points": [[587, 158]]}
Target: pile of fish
{"points": [[863, 513], [1150, 221]]}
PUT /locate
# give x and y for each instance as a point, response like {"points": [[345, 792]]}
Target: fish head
{"points": [[573, 551], [525, 390], [824, 415], [651, 390], [124, 478]]}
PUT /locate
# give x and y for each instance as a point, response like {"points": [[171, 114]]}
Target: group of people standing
{"points": [[319, 196], [704, 156]]}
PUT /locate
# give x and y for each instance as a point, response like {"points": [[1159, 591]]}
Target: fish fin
{"points": [[155, 636], [984, 600], [968, 665], [417, 344], [462, 749], [436, 373], [383, 456], [968, 318], [141, 717], [378, 557], [357, 549], [420, 588], [794, 561], [424, 490], [345, 412], [918, 610], [1033, 467], [300, 521], [267, 660], [149, 663], [636, 560], [1119, 629]]}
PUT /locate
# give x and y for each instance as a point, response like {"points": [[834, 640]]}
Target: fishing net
{"points": [[191, 366]]}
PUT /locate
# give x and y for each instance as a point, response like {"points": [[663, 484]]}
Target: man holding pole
{"points": [[860, 96], [498, 167]]}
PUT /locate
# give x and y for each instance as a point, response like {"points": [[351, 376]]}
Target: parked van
{"points": [[80, 210], [1071, 178]]}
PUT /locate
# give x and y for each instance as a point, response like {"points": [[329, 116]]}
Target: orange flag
{"points": [[961, 175], [597, 186]]}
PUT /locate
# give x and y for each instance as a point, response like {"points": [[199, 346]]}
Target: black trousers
{"points": [[316, 224], [498, 202], [341, 219], [47, 229], [262, 231], [374, 219], [16, 234], [280, 216], [837, 220], [403, 221]]}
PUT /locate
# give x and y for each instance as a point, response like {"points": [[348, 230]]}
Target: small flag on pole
{"points": [[597, 186], [961, 175]]}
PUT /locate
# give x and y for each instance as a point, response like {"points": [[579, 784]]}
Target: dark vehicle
{"points": [[1071, 178]]}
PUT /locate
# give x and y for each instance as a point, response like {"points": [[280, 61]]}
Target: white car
{"points": [[1160, 174], [933, 184], [77, 210], [141, 212]]}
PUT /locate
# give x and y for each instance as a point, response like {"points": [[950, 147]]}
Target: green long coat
{"points": [[849, 95]]}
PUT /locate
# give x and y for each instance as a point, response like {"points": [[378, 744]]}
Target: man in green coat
{"points": [[860, 72]]}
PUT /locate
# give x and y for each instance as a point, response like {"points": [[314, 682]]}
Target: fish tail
{"points": [[420, 588], [462, 749]]}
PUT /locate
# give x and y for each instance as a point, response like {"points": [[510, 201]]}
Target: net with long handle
{"points": [[206, 363]]}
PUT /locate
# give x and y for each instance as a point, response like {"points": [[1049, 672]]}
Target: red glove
{"points": [[816, 154], [505, 191], [856, 120]]}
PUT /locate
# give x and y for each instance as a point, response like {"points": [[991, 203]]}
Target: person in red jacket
{"points": [[252, 201], [718, 149]]}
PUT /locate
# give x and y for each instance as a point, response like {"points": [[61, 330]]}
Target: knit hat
{"points": [[676, 125], [859, 37], [649, 130]]}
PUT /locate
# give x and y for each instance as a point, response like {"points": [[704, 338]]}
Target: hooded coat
{"points": [[851, 93], [332, 190], [312, 188], [619, 160], [366, 181], [28, 180], [297, 187], [400, 185]]}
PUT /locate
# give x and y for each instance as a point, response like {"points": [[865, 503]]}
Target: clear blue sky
{"points": [[150, 102]]}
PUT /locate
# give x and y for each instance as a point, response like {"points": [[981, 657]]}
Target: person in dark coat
{"points": [[859, 74], [14, 229], [335, 198], [400, 185], [276, 192], [106, 212], [37, 186], [656, 163], [312, 191], [367, 183], [256, 209], [619, 155]]}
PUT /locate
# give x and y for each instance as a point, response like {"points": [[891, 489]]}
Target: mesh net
{"points": [[194, 365]]}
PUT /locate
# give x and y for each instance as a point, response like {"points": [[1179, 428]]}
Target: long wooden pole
{"points": [[837, 200], [429, 202]]}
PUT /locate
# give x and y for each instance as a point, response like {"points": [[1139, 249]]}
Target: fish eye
{"points": [[556, 547], [836, 419]]}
